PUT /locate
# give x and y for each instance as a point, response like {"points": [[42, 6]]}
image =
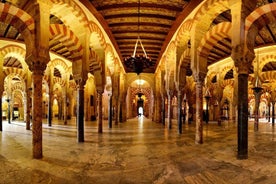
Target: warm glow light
{"points": [[140, 82]]}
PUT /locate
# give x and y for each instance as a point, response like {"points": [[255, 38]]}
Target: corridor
{"points": [[136, 151]]}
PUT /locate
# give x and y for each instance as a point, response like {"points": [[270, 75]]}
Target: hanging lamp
{"points": [[138, 62]]}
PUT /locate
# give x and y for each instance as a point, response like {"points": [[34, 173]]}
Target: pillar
{"points": [[179, 110], [37, 77], [100, 111], [80, 110], [50, 111], [257, 93], [163, 110], [273, 112], [199, 78], [109, 110], [170, 95]]}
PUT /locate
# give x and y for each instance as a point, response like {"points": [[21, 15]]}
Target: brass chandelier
{"points": [[138, 62]]}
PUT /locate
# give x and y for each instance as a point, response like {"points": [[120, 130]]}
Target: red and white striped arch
{"points": [[68, 38], [217, 33], [17, 52], [15, 72], [20, 20], [257, 20]]}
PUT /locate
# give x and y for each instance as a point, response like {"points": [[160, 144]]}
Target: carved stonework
{"points": [[243, 61]]}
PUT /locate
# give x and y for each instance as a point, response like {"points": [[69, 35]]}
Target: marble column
{"points": [[1, 90], [179, 110], [1, 115], [116, 115], [199, 111], [170, 95], [100, 111], [110, 111], [80, 110], [242, 116], [65, 104], [257, 93], [268, 113], [273, 112], [50, 112], [29, 107], [37, 77], [163, 110]]}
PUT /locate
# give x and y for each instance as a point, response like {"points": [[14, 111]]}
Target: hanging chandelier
{"points": [[138, 62]]}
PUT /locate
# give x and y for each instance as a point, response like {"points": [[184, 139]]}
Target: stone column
{"points": [[28, 103], [170, 95], [179, 110], [163, 111], [199, 78], [80, 110], [65, 109], [50, 112], [110, 110], [1, 90], [257, 93], [100, 111], [158, 109], [273, 112], [37, 77]]}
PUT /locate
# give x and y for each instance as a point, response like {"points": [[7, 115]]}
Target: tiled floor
{"points": [[137, 151]]}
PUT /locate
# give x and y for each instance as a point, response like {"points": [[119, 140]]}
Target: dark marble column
{"points": [[50, 112], [65, 106], [179, 111], [100, 111], [110, 111], [268, 115], [257, 93], [1, 120], [37, 115], [80, 111], [170, 95], [163, 111], [273, 112], [242, 116], [199, 112]]}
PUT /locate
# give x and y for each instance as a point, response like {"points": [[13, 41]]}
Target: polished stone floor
{"points": [[137, 151]]}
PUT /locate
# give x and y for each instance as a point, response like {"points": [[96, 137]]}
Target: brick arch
{"points": [[219, 5], [270, 75], [217, 33], [59, 62], [266, 59], [185, 58], [60, 81], [95, 29], [95, 62], [75, 9], [15, 49], [16, 71], [226, 69], [18, 87], [257, 20], [225, 83], [183, 34], [20, 20], [69, 39]]}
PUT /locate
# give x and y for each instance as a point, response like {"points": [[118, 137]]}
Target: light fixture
{"points": [[138, 62]]}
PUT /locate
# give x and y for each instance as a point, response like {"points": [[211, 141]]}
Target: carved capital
{"points": [[243, 61], [199, 77]]}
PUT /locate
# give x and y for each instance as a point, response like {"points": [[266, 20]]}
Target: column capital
{"points": [[242, 60], [199, 77]]}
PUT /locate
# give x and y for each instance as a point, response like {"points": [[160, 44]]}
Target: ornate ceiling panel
{"points": [[156, 20]]}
